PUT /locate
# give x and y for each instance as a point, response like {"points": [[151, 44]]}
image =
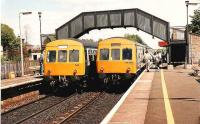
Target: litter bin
{"points": [[11, 75]]}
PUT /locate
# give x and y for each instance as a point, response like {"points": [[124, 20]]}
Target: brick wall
{"points": [[195, 48]]}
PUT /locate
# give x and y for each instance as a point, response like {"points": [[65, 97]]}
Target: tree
{"points": [[29, 52], [9, 42], [49, 38], [195, 26], [134, 37], [100, 39], [7, 36]]}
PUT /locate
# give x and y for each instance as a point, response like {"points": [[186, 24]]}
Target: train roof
{"points": [[130, 41], [119, 39], [73, 41]]}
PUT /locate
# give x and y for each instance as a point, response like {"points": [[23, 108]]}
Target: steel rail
{"points": [[38, 112], [76, 109]]}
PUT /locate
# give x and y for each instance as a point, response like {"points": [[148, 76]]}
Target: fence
{"points": [[15, 67]]}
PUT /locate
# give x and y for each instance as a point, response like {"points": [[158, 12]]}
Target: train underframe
{"points": [[115, 78], [56, 82]]}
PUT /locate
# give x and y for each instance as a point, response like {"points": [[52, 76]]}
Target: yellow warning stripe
{"points": [[169, 114]]}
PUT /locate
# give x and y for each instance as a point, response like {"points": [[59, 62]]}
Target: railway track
{"points": [[18, 116], [76, 109], [38, 112], [95, 111], [65, 110], [27, 111]]}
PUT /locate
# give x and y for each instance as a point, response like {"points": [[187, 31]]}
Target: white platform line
{"points": [[119, 103]]}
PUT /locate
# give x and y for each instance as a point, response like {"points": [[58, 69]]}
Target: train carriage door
{"points": [[75, 61], [50, 60], [90, 58], [129, 57]]}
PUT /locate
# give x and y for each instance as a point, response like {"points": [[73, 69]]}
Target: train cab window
{"points": [[62, 56], [104, 54], [127, 54], [115, 54], [51, 56], [74, 56]]}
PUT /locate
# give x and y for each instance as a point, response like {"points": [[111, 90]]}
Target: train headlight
{"points": [[101, 70], [75, 72], [48, 72], [128, 70]]}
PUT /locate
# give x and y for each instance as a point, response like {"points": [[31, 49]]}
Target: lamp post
{"points": [[39, 14], [21, 45]]}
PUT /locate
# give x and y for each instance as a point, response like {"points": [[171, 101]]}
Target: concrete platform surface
{"points": [[159, 97], [134, 102], [183, 95], [9, 83]]}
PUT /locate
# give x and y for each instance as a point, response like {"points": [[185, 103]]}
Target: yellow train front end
{"points": [[116, 59], [64, 62]]}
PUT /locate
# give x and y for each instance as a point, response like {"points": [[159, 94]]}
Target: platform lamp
{"points": [[187, 31], [39, 14], [21, 44]]}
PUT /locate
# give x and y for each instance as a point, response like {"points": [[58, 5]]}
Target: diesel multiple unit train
{"points": [[71, 61]]}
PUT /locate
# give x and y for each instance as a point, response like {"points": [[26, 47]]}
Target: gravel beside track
{"points": [[28, 110], [49, 115], [96, 111]]}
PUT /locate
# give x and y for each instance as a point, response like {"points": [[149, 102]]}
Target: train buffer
{"points": [[19, 81], [159, 97]]}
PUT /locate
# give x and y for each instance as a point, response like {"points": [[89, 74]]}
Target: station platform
{"points": [[159, 97], [18, 81]]}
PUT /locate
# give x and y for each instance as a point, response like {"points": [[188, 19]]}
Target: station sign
{"points": [[62, 47], [163, 44]]}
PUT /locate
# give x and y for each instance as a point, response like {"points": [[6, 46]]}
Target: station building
{"points": [[178, 48]]}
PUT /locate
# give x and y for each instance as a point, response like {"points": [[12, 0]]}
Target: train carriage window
{"points": [[104, 54], [74, 56], [127, 54], [62, 56], [51, 56], [115, 54]]}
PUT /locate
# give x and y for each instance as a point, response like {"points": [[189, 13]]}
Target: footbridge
{"points": [[141, 20]]}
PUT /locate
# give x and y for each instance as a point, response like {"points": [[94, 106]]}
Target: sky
{"points": [[57, 12]]}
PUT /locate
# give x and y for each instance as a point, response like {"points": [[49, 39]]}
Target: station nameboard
{"points": [[163, 44]]}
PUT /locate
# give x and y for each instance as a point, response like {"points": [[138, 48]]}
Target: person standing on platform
{"points": [[163, 56], [147, 59], [158, 60], [41, 64]]}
